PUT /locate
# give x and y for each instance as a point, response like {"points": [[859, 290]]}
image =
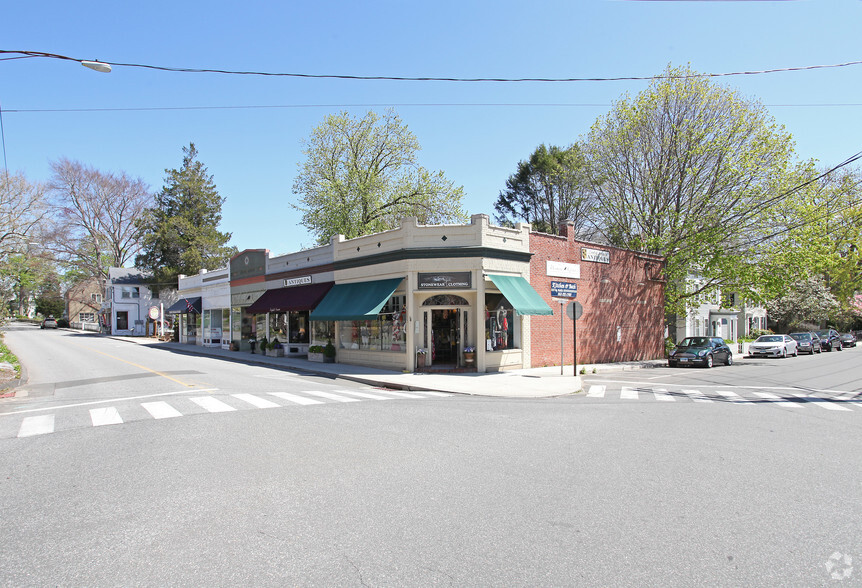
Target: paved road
{"points": [[443, 490]]}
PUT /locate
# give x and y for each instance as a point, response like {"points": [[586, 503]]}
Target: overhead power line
{"points": [[14, 54]]}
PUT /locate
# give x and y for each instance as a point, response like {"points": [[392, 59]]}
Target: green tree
{"points": [[808, 302], [688, 169], [180, 234], [361, 176], [551, 186]]}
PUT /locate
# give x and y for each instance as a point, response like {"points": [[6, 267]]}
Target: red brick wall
{"points": [[626, 293]]}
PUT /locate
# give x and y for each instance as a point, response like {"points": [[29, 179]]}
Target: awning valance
{"points": [[185, 306], [293, 299], [355, 302], [521, 295]]}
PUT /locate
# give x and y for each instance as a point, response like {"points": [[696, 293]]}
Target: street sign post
{"points": [[575, 310]]}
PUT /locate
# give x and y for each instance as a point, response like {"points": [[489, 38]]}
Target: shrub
{"points": [[63, 323], [316, 349], [329, 350]]}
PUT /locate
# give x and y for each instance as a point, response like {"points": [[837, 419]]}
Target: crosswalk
{"points": [[846, 402], [27, 424]]}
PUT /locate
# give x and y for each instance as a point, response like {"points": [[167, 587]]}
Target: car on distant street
{"points": [[848, 340], [807, 342], [49, 323], [703, 351], [829, 339], [773, 346]]}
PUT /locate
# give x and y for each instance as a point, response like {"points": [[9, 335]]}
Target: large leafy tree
{"points": [[180, 233], [93, 216], [361, 176], [687, 169], [549, 187]]}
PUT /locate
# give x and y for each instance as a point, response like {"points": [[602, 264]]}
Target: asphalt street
{"points": [[616, 486]]}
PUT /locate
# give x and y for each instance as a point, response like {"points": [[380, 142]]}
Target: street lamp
{"points": [[97, 66]]}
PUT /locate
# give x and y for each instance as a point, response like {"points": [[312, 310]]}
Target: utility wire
{"points": [[38, 54]]}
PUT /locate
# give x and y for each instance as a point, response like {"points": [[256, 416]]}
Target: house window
{"points": [[87, 317], [96, 297], [130, 292], [122, 320]]}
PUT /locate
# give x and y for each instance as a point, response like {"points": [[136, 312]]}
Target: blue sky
{"points": [[475, 132]]}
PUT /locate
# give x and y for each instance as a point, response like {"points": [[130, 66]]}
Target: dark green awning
{"points": [[521, 295], [360, 301]]}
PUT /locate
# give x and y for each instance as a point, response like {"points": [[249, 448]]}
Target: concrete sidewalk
{"points": [[543, 382]]}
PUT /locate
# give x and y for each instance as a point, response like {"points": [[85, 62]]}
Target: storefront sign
{"points": [[297, 281], [596, 255], [559, 269], [441, 280], [563, 289]]}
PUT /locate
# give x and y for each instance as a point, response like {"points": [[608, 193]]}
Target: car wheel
{"points": [[796, 352], [784, 353], [840, 347], [708, 363], [729, 360]]}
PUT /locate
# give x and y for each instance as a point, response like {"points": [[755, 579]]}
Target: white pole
{"points": [[162, 316]]}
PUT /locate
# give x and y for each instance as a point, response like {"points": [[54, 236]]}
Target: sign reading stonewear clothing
{"points": [[440, 280]]}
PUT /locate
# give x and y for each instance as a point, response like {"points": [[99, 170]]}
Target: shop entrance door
{"points": [[444, 335]]}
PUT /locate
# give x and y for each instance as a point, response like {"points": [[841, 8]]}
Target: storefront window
{"points": [[260, 326], [499, 323], [387, 333], [298, 323], [205, 318], [323, 332], [235, 323], [278, 326], [215, 326]]}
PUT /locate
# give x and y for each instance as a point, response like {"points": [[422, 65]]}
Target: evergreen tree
{"points": [[180, 234]]}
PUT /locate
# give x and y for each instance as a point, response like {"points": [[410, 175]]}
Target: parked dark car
{"points": [[829, 339], [808, 342], [49, 323], [703, 351], [848, 340]]}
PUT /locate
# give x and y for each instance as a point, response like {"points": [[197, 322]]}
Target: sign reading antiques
{"points": [[297, 281], [563, 289], [596, 255], [441, 280]]}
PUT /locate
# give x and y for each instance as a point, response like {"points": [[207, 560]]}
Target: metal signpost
{"points": [[563, 292], [574, 311]]}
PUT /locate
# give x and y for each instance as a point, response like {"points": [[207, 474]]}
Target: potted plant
{"points": [[234, 345], [420, 357], [275, 349], [469, 356], [329, 353], [315, 353]]}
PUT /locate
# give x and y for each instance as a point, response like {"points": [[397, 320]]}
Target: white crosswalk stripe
{"points": [[662, 395], [696, 396], [303, 400], [733, 397], [256, 401], [822, 402], [161, 410], [596, 392], [105, 416], [366, 395], [778, 400], [628, 393], [36, 425], [330, 396], [401, 394], [211, 404]]}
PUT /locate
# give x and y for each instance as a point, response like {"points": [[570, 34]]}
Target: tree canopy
{"points": [[180, 233], [689, 169], [361, 176], [551, 186]]}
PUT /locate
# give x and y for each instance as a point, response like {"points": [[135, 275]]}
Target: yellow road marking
{"points": [[152, 371]]}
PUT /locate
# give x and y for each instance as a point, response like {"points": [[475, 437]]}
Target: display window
{"points": [[388, 332], [499, 323]]}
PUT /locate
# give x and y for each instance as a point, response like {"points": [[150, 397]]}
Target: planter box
{"points": [[320, 358], [275, 352]]}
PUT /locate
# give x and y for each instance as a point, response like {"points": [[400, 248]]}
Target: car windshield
{"points": [[770, 339], [822, 333], [801, 336], [693, 342]]}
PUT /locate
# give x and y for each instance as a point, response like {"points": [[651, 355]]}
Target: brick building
{"points": [[622, 294]]}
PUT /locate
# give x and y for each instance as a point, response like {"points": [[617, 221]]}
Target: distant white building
{"points": [[720, 315], [128, 299]]}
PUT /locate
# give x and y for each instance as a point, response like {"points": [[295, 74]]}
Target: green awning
{"points": [[521, 295], [360, 301]]}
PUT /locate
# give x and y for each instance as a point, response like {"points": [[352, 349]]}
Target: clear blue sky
{"points": [[475, 132]]}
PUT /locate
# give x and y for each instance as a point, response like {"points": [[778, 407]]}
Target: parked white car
{"points": [[773, 346]]}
